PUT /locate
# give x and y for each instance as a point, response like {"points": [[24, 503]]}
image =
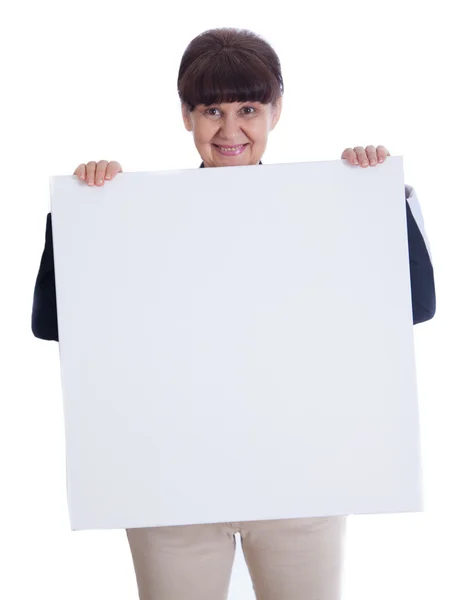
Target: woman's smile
{"points": [[230, 150]]}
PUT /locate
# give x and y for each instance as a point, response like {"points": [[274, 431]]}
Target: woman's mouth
{"points": [[230, 150]]}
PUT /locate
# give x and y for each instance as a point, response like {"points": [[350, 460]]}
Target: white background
{"points": [[97, 80]]}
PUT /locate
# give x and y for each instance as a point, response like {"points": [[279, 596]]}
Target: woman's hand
{"points": [[96, 173], [365, 156]]}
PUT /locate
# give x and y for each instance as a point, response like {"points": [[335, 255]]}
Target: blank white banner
{"points": [[236, 344]]}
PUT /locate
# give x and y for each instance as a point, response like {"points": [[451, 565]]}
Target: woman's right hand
{"points": [[96, 173]]}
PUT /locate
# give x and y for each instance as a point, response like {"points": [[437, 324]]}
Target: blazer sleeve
{"points": [[420, 261], [44, 314]]}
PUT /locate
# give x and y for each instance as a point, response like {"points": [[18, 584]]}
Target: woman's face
{"points": [[232, 133]]}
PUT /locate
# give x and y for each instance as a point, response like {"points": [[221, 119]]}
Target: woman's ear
{"points": [[187, 117], [276, 112]]}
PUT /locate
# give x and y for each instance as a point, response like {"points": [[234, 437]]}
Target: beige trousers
{"points": [[288, 559]]}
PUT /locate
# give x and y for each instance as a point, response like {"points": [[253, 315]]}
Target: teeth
{"points": [[230, 149]]}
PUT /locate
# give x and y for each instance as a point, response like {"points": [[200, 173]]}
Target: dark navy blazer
{"points": [[44, 314]]}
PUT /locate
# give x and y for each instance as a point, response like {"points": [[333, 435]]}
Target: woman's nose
{"points": [[230, 129]]}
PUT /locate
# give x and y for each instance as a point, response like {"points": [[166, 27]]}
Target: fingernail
{"points": [[364, 163], [107, 176], [356, 161], [90, 182], [100, 181], [381, 159]]}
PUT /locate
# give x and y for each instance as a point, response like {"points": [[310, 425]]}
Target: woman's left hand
{"points": [[365, 156]]}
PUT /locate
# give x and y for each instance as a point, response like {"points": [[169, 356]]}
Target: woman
{"points": [[230, 86]]}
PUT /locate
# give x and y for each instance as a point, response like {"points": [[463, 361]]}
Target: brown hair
{"points": [[229, 65]]}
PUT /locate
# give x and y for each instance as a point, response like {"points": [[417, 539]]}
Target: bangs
{"points": [[229, 77]]}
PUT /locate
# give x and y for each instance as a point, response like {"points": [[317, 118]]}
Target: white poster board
{"points": [[236, 344]]}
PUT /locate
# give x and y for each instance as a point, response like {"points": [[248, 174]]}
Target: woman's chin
{"points": [[217, 159]]}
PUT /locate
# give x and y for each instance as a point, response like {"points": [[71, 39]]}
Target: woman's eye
{"points": [[246, 110]]}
